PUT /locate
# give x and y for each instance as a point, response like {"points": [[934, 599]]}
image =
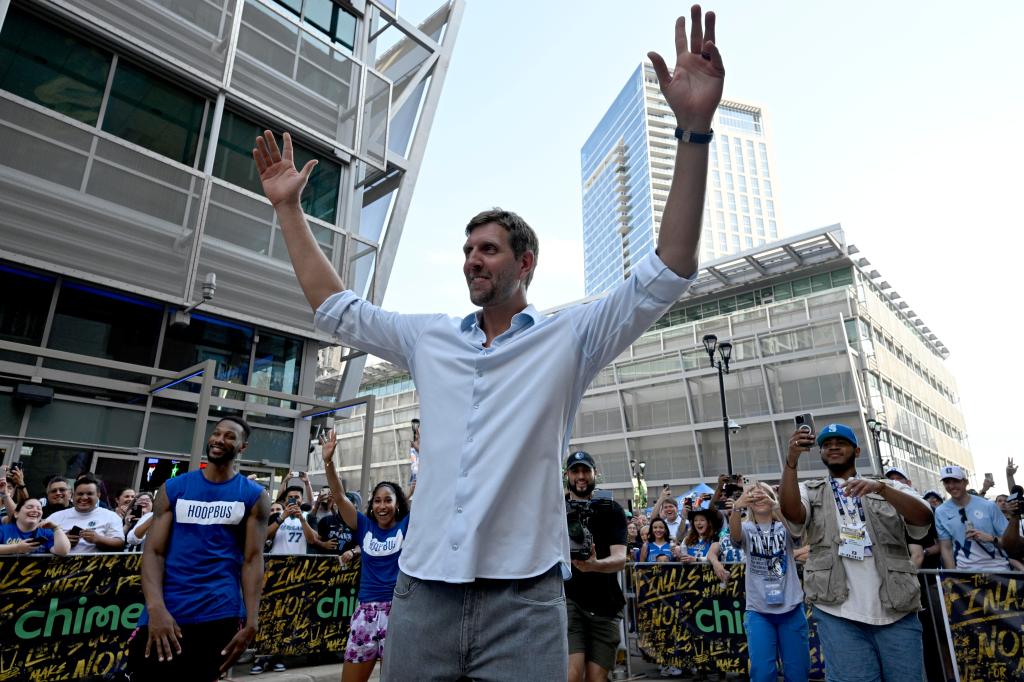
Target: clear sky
{"points": [[899, 120]]}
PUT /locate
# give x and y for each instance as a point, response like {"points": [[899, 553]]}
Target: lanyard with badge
{"points": [[854, 542], [775, 575]]}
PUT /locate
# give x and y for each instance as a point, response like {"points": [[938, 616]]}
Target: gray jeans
{"points": [[487, 630]]}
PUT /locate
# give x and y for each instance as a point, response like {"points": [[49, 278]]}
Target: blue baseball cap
{"points": [[838, 431]]}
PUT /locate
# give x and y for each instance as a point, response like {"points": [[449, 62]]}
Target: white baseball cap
{"points": [[896, 470], [952, 472]]}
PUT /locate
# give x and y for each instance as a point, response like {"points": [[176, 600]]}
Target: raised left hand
{"points": [[694, 88]]}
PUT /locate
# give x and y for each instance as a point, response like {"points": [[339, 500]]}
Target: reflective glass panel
{"points": [[23, 317], [105, 324], [49, 66], [154, 113], [209, 338]]}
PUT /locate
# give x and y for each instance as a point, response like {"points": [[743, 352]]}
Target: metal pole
{"points": [[725, 420]]}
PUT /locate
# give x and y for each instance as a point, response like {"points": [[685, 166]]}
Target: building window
{"points": [[154, 113], [23, 317], [732, 201], [728, 182], [327, 18], [233, 163], [746, 224], [755, 185], [716, 178], [742, 179], [744, 203], [718, 199], [104, 324], [51, 67], [210, 338], [277, 364]]}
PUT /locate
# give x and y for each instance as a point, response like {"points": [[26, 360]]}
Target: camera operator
{"points": [[1013, 537], [593, 598]]}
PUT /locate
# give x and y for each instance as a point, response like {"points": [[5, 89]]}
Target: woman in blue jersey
{"points": [[659, 543], [380, 532], [30, 533]]}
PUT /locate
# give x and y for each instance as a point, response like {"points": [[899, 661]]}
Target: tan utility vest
{"points": [[825, 575]]}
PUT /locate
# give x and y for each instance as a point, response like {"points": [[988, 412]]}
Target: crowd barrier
{"points": [[973, 623], [70, 618]]}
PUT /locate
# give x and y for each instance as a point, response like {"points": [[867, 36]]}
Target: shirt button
{"points": [[477, 406], [459, 510], [479, 373], [464, 474], [455, 548]]}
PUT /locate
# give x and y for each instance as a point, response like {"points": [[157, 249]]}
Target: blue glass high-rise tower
{"points": [[626, 168]]}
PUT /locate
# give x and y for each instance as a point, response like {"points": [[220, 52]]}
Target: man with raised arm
{"points": [[482, 570], [859, 577], [202, 567]]}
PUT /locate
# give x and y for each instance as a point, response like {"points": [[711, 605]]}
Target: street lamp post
{"points": [[722, 365], [876, 427]]}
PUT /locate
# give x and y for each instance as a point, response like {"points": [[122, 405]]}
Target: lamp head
{"points": [[710, 342]]}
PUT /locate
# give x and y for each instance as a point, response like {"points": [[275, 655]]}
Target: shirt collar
{"points": [[527, 317]]}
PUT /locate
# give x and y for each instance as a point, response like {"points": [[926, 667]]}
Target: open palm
{"points": [[694, 88], [282, 183]]}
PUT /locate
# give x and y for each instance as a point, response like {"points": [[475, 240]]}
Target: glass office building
{"points": [[626, 171], [814, 329], [127, 185]]}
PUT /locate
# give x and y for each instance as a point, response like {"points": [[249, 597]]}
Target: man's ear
{"points": [[527, 263], [243, 447]]}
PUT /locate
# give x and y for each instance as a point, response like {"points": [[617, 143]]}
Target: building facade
{"points": [[814, 329], [146, 290], [626, 167]]}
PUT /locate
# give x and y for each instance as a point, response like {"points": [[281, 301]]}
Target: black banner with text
{"points": [[986, 616], [70, 618], [687, 618]]}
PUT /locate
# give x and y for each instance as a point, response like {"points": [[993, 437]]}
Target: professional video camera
{"points": [[581, 540]]}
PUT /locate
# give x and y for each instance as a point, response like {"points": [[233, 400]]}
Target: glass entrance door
{"points": [[115, 472]]}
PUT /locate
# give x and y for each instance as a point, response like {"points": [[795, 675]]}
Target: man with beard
{"points": [[593, 599], [503, 383], [858, 578], [202, 590]]}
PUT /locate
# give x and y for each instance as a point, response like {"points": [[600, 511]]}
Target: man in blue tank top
{"points": [[202, 569]]}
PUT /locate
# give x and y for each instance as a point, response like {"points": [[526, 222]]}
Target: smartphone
{"points": [[36, 541], [990, 477], [804, 422], [295, 474], [749, 481], [75, 530], [16, 465]]}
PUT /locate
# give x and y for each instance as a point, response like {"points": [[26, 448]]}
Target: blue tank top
{"points": [[203, 568]]}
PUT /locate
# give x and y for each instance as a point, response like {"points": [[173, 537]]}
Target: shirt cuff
{"points": [[328, 315], [657, 279]]}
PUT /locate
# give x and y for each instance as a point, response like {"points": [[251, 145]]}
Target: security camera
{"points": [[734, 427], [182, 318], [209, 286]]}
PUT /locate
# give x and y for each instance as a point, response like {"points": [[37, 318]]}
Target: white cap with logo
{"points": [[952, 472]]}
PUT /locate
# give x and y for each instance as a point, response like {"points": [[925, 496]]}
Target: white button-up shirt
{"points": [[497, 420]]}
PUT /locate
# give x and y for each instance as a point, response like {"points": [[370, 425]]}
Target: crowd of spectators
{"points": [[740, 520]]}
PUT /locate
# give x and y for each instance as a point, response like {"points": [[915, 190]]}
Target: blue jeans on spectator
{"points": [[858, 652], [770, 635]]}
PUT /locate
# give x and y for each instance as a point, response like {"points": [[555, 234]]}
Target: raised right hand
{"points": [[282, 184], [328, 443], [164, 634], [799, 443], [1011, 468]]}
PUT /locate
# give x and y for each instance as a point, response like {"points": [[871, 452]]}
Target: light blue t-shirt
{"points": [[381, 549], [972, 555], [205, 552], [727, 551]]}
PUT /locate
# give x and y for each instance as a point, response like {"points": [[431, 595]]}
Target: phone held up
{"points": [[804, 422]]}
